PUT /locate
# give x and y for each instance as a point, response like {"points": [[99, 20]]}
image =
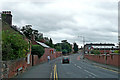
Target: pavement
{"points": [[103, 65], [77, 69]]}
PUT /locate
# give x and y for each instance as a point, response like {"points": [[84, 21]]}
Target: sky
{"points": [[95, 20]]}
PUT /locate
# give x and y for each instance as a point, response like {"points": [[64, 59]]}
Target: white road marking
{"points": [[90, 72], [79, 67], [86, 77], [51, 75], [75, 64], [91, 76]]}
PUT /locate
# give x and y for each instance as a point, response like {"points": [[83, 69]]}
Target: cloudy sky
{"points": [[96, 20]]}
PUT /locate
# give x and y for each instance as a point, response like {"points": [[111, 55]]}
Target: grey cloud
{"points": [[98, 23]]}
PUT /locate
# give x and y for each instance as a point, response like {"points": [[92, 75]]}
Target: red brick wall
{"points": [[35, 59], [44, 57], [13, 67], [111, 59]]}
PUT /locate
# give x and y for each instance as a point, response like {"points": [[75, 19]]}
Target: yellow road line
{"points": [[107, 69], [55, 73]]}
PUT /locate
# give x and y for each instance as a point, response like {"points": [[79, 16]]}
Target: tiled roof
{"points": [[42, 44]]}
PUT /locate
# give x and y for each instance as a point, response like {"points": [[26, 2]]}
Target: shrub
{"points": [[13, 46], [37, 50], [116, 51], [95, 52]]}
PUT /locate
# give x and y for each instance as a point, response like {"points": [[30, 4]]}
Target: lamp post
{"points": [[83, 45]]}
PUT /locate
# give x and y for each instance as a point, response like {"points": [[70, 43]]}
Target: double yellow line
{"points": [[55, 73], [107, 69]]}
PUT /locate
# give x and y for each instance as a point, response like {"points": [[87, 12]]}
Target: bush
{"points": [[13, 46], [116, 51], [95, 52], [37, 50]]}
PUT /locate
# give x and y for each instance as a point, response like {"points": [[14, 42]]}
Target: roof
{"points": [[42, 44], [101, 44], [104, 46]]}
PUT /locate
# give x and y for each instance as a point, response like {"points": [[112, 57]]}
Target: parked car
{"points": [[65, 59]]}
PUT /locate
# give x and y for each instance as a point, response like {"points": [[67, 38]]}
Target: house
{"points": [[101, 47], [48, 51], [14, 66]]}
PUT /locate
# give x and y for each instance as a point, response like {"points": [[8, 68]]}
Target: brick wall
{"points": [[111, 59], [12, 68], [44, 57]]}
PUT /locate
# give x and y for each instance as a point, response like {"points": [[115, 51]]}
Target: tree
{"points": [[27, 31], [58, 48], [31, 33], [49, 42], [64, 51], [75, 48], [37, 50], [65, 45]]}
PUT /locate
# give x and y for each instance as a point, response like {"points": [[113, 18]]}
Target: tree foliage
{"points": [[65, 47], [75, 47], [29, 32], [13, 46], [37, 50], [49, 42], [58, 48]]}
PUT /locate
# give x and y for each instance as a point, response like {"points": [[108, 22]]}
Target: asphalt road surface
{"points": [[78, 68]]}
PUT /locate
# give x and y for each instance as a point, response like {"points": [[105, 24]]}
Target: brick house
{"points": [[102, 48], [48, 51]]}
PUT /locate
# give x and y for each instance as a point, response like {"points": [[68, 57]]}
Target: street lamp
{"points": [[83, 45]]}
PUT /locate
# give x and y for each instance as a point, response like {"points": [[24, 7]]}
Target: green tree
{"points": [[75, 48], [37, 50], [67, 46], [58, 48], [13, 46], [64, 51], [27, 31], [49, 42]]}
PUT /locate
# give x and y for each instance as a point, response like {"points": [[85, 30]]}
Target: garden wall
{"points": [[14, 67], [44, 57], [111, 59]]}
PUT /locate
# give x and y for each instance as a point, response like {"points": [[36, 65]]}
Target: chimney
{"points": [[7, 17]]}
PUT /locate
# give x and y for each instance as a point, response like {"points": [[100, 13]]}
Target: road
{"points": [[78, 68]]}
